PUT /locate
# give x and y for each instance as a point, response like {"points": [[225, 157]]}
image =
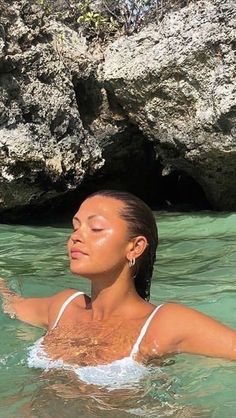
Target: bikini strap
{"points": [[64, 305], [143, 332]]}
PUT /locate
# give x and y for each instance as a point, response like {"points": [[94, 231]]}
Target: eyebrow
{"points": [[90, 217]]}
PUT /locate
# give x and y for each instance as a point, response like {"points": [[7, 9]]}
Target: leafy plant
{"points": [[103, 18], [95, 21]]}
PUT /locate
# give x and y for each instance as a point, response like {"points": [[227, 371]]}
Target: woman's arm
{"points": [[31, 310], [190, 331], [40, 312]]}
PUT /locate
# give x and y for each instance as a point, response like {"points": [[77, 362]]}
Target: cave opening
{"points": [[178, 191], [131, 165]]}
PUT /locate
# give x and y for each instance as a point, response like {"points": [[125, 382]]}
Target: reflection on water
{"points": [[61, 395], [196, 266]]}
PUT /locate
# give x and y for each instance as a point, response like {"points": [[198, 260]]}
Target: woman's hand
{"points": [[9, 298]]}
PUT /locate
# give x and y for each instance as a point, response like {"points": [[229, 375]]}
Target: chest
{"points": [[95, 342]]}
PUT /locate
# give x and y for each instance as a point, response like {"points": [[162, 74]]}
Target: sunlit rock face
{"points": [[44, 148], [177, 82], [150, 108]]}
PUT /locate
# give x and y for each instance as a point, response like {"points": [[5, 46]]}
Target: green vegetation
{"points": [[96, 22], [104, 18]]}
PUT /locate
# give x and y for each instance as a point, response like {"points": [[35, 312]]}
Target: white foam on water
{"points": [[118, 374]]}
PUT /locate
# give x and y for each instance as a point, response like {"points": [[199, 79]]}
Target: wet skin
{"points": [[99, 250]]}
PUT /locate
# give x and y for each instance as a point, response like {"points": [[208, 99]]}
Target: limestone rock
{"points": [[177, 82], [44, 148], [162, 99]]}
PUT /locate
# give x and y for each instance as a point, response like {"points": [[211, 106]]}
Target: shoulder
{"points": [[176, 316], [173, 310], [179, 328], [80, 298], [57, 301], [185, 330], [171, 324], [66, 294]]}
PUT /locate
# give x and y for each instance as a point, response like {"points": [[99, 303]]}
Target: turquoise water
{"points": [[196, 265]]}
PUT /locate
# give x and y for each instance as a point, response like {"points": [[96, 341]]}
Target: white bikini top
{"points": [[116, 374]]}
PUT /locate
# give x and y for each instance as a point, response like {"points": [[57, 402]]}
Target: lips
{"points": [[77, 253]]}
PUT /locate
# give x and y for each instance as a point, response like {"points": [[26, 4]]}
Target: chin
{"points": [[78, 270]]}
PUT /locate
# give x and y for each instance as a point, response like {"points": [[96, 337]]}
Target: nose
{"points": [[77, 236]]}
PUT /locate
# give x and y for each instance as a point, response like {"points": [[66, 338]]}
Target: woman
{"points": [[113, 244]]}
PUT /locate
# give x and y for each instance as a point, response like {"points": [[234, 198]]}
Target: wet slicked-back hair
{"points": [[141, 221]]}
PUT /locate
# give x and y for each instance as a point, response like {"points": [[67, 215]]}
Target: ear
{"points": [[136, 247]]}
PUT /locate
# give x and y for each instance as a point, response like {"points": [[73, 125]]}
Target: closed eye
{"points": [[97, 229]]}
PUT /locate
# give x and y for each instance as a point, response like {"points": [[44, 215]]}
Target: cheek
{"points": [[111, 248], [102, 243]]}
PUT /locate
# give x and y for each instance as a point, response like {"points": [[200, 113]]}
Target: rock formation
{"points": [[44, 148], [151, 106], [177, 82]]}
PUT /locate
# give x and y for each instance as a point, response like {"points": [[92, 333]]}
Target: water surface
{"points": [[196, 265]]}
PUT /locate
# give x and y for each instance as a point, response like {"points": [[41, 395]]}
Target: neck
{"points": [[111, 297]]}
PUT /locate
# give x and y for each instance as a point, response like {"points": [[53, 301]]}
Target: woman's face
{"points": [[99, 243]]}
